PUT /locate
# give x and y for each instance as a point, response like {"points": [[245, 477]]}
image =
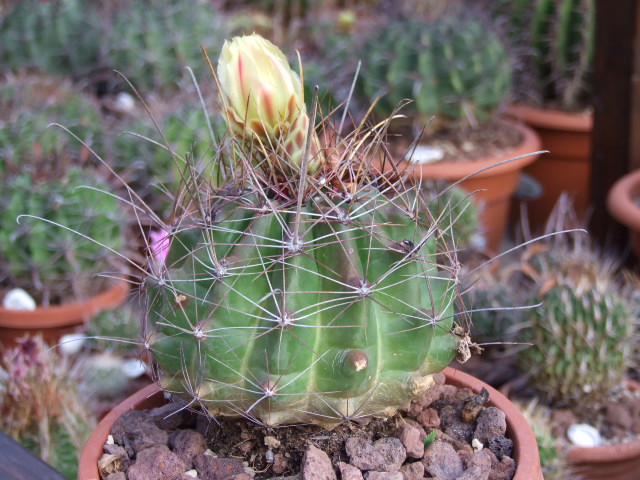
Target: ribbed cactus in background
{"points": [[61, 37], [28, 104], [52, 263], [154, 40], [582, 335], [554, 41], [293, 293], [455, 69]]}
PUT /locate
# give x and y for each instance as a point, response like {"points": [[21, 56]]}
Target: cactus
{"points": [[293, 292], [455, 69], [28, 104], [582, 335], [555, 40], [54, 263], [153, 41], [62, 37]]}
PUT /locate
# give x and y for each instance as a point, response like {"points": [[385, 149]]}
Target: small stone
{"points": [[473, 405], [412, 471], [116, 450], [441, 460], [136, 431], [505, 470], [501, 446], [453, 426], [482, 459], [156, 463], [71, 343], [240, 476], [271, 441], [584, 435], [18, 299], [349, 472], [385, 455], [109, 464], [117, 476], [171, 416], [110, 440], [316, 465], [269, 456], [491, 422], [410, 438], [193, 473], [280, 464], [476, 444], [475, 473], [412, 422], [373, 475], [429, 418], [214, 468], [187, 444]]}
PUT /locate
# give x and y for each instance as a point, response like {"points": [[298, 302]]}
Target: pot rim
{"points": [[620, 200], [516, 158], [67, 313], [525, 443], [552, 119], [615, 452]]}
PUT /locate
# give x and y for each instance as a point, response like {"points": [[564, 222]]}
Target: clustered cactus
{"points": [[149, 41], [62, 37], [555, 40], [300, 289], [582, 336], [28, 105], [455, 69], [54, 263]]}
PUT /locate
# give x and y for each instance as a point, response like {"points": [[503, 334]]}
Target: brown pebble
{"points": [[474, 405], [429, 418]]}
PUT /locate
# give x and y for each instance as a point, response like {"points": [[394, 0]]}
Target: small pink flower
{"points": [[159, 245]]}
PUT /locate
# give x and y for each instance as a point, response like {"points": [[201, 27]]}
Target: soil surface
{"points": [[463, 145], [450, 433]]}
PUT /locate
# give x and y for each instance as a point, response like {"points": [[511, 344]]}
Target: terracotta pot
{"points": [[55, 321], [567, 166], [623, 205], [525, 446], [494, 186]]}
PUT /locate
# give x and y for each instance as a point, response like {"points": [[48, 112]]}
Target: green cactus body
{"points": [[351, 323], [53, 263], [455, 70], [582, 334], [62, 37]]}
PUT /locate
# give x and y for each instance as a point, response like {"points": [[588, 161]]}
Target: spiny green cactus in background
{"points": [[52, 263], [154, 40], [583, 334], [555, 43], [293, 293], [455, 69], [28, 104], [148, 167], [62, 37]]}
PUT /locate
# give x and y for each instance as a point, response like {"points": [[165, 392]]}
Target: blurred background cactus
{"points": [[62, 37], [583, 335], [152, 41], [553, 42], [455, 69], [52, 263], [42, 404], [28, 105]]}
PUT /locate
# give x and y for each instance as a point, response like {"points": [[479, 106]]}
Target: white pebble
{"points": [[18, 299], [583, 435], [125, 101], [424, 154], [110, 440], [269, 457], [72, 343], [191, 473], [133, 368], [477, 446]]}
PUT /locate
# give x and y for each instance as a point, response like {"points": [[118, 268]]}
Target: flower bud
{"points": [[263, 98]]}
